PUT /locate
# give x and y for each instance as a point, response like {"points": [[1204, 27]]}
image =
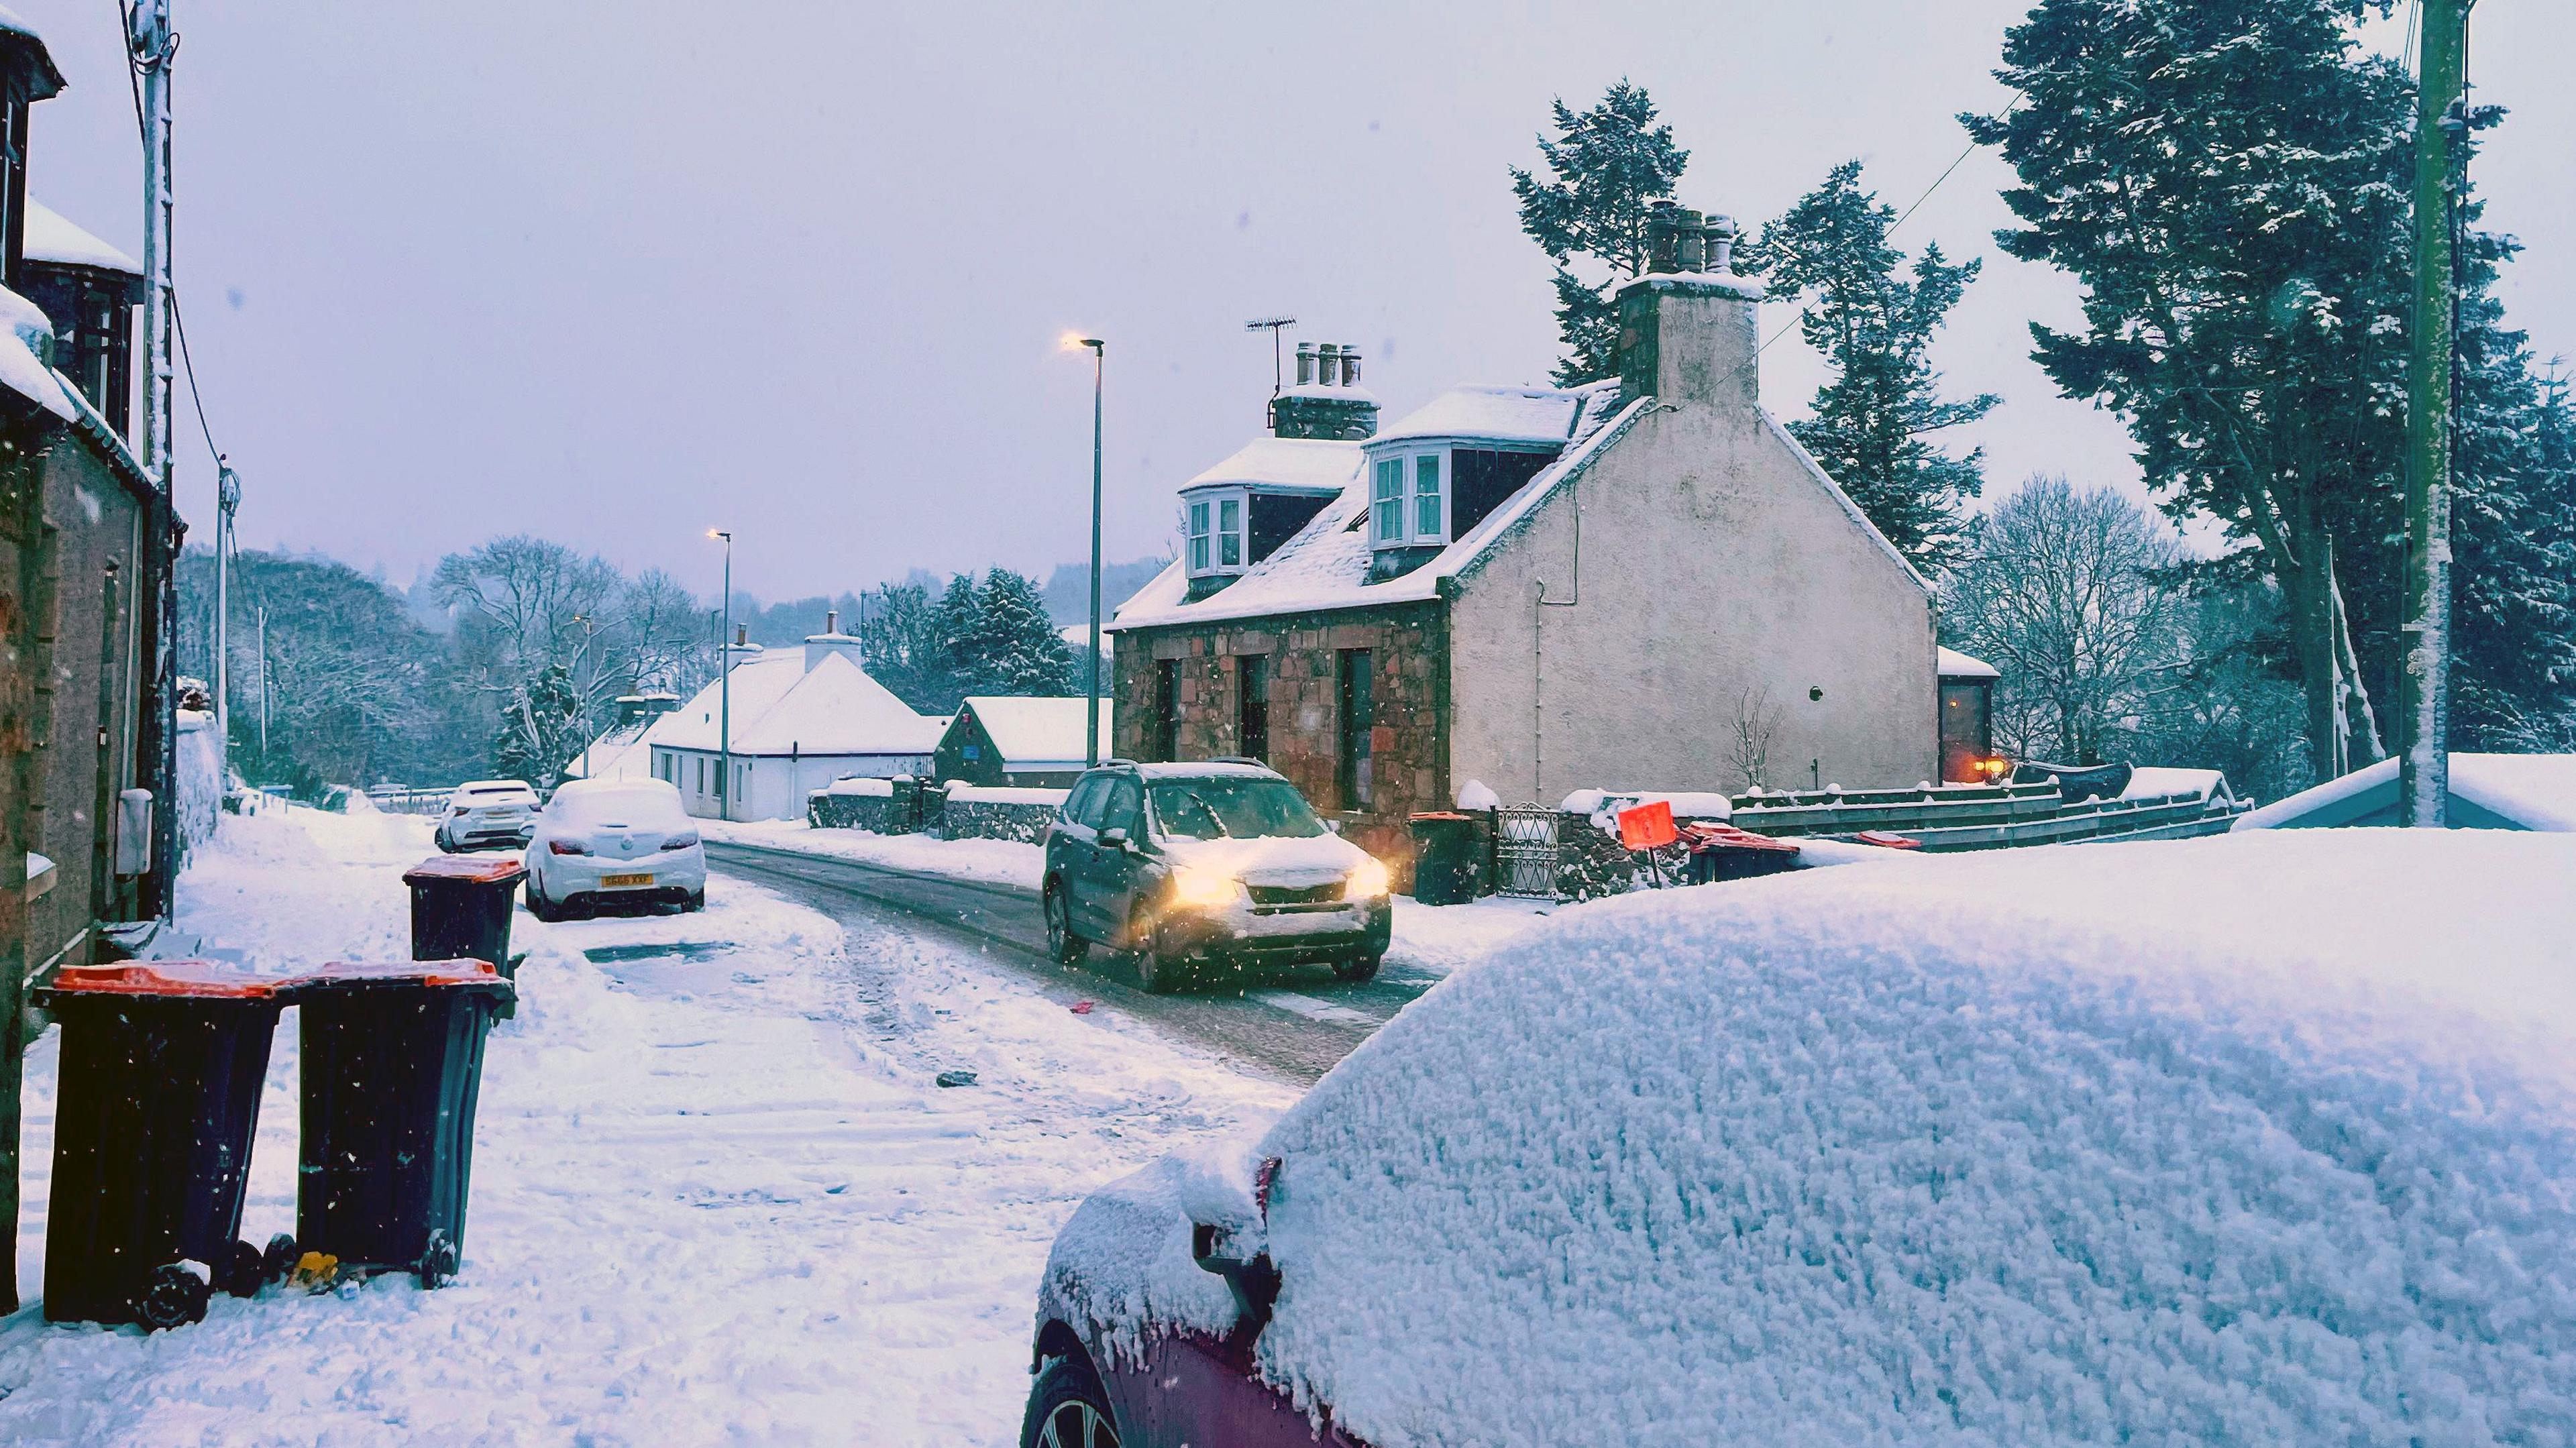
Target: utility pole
{"points": [[724, 688], [152, 45], [1091, 660], [2424, 685], [263, 689], [227, 502]]}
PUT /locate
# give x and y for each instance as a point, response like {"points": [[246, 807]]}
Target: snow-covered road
{"points": [[717, 1196]]}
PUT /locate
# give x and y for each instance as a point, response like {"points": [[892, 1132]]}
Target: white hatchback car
{"points": [[484, 813], [603, 841]]}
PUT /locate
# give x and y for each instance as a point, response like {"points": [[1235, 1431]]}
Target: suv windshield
{"points": [[1235, 806]]}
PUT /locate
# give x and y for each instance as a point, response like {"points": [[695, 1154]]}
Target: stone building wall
{"points": [[1409, 676]]}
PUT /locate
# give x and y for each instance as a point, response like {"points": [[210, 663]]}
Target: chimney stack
{"points": [[1687, 331], [1328, 401]]}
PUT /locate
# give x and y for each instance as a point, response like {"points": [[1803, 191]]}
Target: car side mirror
{"points": [[1114, 838], [1255, 1284]]}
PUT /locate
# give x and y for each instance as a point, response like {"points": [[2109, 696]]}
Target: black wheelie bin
{"points": [[460, 908], [162, 1063], [392, 1062]]}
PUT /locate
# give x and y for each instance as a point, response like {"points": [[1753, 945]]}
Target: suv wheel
{"points": [[1063, 946], [1159, 971], [1067, 1409], [1356, 969]]}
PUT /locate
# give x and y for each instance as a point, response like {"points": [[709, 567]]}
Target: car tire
{"points": [[1068, 1409], [1355, 970], [696, 902], [1159, 971], [444, 847], [1062, 945], [539, 907]]}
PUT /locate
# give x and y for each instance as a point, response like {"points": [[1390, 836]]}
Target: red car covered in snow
{"points": [[2166, 1142]]}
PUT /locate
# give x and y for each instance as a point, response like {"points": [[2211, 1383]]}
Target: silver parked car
{"points": [[488, 814]]}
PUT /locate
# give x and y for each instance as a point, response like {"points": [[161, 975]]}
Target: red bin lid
{"points": [[401, 972], [216, 978], [473, 869]]}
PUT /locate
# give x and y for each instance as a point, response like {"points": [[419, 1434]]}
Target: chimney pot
{"points": [[831, 620], [1690, 242], [1328, 364], [741, 634], [1661, 219], [1305, 363], [1721, 243], [1350, 366]]}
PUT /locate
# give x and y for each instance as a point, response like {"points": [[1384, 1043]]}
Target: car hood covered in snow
{"points": [[2257, 1139], [1285, 858]]}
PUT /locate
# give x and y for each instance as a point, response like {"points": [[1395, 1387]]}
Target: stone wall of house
{"points": [[1409, 674]]}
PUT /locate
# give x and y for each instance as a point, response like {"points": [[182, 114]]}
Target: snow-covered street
{"points": [[717, 1195]]}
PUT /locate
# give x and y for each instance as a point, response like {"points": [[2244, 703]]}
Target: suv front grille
{"points": [[1310, 897]]}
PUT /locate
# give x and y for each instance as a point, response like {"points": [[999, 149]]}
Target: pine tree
{"points": [[1604, 166], [1014, 647], [901, 647], [1873, 322], [2226, 180]]}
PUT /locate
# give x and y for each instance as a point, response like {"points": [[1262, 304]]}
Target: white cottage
{"points": [[800, 720]]}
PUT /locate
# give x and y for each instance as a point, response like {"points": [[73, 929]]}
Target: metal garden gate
{"points": [[1525, 852]]}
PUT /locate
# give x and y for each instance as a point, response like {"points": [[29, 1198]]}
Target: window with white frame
{"points": [[1430, 501], [1216, 536], [1409, 499], [1387, 503]]}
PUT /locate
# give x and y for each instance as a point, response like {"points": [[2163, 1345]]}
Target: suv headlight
{"points": [[1368, 882], [1202, 889]]}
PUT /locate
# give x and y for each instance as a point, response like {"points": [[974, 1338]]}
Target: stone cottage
{"points": [[1640, 583]]}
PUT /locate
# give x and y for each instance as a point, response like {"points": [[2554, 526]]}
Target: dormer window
{"points": [[1409, 499], [1216, 532]]}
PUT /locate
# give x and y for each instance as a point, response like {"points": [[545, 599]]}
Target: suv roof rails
{"points": [[1241, 759], [1106, 763]]}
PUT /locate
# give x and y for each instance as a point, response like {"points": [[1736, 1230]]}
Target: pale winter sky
{"points": [[621, 272]]}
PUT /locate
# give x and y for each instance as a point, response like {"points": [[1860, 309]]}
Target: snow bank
{"points": [[879, 788], [1982, 1149]]}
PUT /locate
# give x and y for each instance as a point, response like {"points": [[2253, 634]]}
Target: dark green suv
{"points": [[1214, 864]]}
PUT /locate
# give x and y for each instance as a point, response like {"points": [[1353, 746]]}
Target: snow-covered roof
{"points": [[1956, 665], [1310, 464], [618, 753], [1498, 414], [781, 707], [2515, 791], [45, 80], [2157, 782], [24, 328], [1326, 564], [1038, 733], [52, 237], [2175, 1142]]}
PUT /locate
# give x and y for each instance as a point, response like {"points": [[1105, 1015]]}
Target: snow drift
{"points": [[2253, 1139]]}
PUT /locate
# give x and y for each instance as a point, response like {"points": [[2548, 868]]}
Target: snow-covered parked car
{"points": [[1220, 864], [487, 813], [615, 841], [2255, 1139]]}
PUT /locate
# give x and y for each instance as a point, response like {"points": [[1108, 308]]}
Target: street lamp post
{"points": [[724, 687], [1091, 660]]}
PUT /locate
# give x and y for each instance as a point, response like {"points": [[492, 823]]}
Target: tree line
{"points": [[506, 659], [2228, 181]]}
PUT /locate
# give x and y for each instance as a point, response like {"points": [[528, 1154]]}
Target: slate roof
{"points": [[1038, 733], [1326, 565]]}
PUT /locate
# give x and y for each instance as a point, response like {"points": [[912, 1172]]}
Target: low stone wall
{"points": [[957, 812]]}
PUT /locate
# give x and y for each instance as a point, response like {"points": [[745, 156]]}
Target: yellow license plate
{"points": [[613, 882]]}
